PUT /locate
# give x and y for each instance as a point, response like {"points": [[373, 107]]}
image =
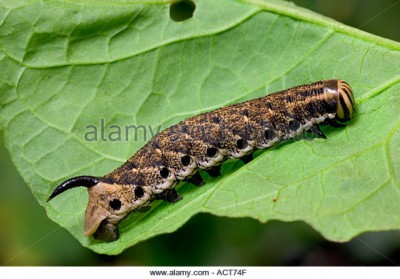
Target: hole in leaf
{"points": [[181, 10]]}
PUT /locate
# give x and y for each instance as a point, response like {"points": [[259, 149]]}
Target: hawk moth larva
{"points": [[204, 142]]}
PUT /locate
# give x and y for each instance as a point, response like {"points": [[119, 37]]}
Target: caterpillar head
{"points": [[108, 204], [340, 91]]}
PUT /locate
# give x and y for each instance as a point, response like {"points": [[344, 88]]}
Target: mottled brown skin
{"points": [[204, 142]]}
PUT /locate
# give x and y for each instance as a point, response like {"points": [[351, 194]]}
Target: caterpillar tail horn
{"points": [[85, 181]]}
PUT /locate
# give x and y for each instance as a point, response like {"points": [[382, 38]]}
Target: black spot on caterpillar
{"points": [[204, 142]]}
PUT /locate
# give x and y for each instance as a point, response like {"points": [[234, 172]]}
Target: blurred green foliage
{"points": [[28, 237], [379, 17]]}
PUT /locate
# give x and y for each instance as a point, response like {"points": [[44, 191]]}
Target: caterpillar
{"points": [[204, 142]]}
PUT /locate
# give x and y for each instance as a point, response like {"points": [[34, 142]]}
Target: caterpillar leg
{"points": [[196, 179], [169, 195], [247, 158], [214, 171], [316, 131], [106, 232]]}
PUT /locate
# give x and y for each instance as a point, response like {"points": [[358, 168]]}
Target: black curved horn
{"points": [[85, 181]]}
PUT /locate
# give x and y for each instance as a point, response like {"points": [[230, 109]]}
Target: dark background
{"points": [[28, 237]]}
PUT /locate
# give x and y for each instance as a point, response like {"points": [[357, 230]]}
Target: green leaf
{"points": [[68, 66]]}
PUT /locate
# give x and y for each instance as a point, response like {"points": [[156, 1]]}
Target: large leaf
{"points": [[67, 65]]}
